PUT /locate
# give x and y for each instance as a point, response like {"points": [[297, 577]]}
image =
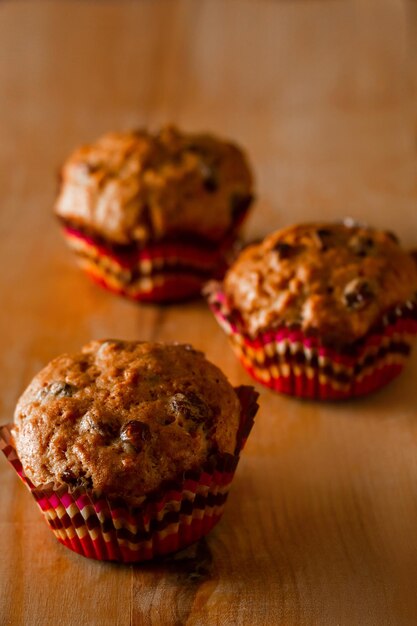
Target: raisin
{"points": [[392, 236], [90, 422], [358, 294], [361, 245], [190, 406], [135, 433], [147, 219], [57, 389], [105, 429], [91, 168], [69, 478], [322, 237], [284, 250], [62, 390], [193, 147], [239, 204], [210, 177]]}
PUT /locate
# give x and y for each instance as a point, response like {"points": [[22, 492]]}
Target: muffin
{"points": [[153, 216], [321, 310], [129, 448]]}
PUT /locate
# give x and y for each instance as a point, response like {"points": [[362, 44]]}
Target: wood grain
{"points": [[320, 528]]}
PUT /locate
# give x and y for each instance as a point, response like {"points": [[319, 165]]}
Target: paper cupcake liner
{"points": [[109, 529], [158, 272], [293, 363], [158, 288]]}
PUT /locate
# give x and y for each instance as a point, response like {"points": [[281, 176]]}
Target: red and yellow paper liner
{"points": [[157, 272], [293, 363], [108, 529]]}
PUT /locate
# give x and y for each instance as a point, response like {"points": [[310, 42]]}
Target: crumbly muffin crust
{"points": [[134, 187], [123, 418], [334, 280]]}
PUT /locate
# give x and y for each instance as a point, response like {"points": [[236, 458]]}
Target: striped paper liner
{"points": [[158, 272], [290, 362], [108, 529]]}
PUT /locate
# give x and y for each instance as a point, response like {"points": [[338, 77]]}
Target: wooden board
{"points": [[321, 524]]}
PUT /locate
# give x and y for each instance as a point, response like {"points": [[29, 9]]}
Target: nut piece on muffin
{"points": [[147, 430], [321, 310], [152, 216]]}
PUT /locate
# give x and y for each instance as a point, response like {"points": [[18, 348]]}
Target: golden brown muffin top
{"points": [[136, 186], [335, 280], [124, 417]]}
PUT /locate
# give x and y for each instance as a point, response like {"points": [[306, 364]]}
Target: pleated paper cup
{"points": [[109, 529], [293, 363], [156, 272]]}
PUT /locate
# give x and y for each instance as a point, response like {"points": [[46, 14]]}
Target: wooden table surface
{"points": [[321, 524]]}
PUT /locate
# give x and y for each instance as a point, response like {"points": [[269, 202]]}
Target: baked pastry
{"points": [[321, 310], [129, 447], [153, 216]]}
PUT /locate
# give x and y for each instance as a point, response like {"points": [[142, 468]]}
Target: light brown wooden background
{"points": [[321, 525]]}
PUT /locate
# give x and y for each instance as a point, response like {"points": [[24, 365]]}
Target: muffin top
{"points": [[333, 280], [124, 417], [133, 187]]}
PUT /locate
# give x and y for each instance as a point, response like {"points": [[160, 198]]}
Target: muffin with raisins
{"points": [[153, 216], [321, 310], [130, 448]]}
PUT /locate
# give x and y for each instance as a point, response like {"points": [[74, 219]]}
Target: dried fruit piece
{"points": [[284, 250], [91, 423], [361, 245], [71, 479], [239, 204], [135, 433], [190, 406], [358, 294], [57, 389], [321, 238], [68, 477], [392, 236], [210, 177]]}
